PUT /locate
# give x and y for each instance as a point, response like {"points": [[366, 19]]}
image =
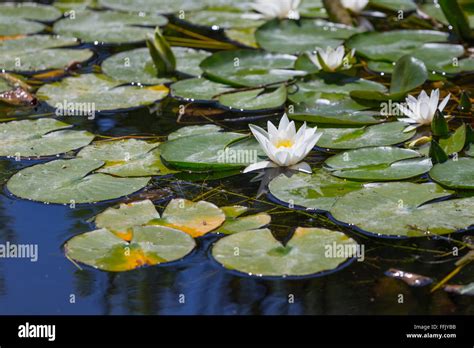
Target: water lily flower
{"points": [[421, 111], [355, 6], [332, 59], [277, 8], [284, 146]]}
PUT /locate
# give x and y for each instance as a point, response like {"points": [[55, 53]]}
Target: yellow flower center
{"points": [[284, 143]]}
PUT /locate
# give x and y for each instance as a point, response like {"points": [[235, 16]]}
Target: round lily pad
{"points": [[392, 45], [109, 26], [316, 191], [198, 89], [404, 210], [162, 6], [150, 245], [457, 174], [194, 218], [290, 36], [383, 163], [123, 219], [71, 181], [235, 223], [250, 68], [126, 158], [394, 5], [258, 253], [98, 93], [210, 152], [40, 52], [21, 18], [384, 134], [256, 99], [194, 130], [137, 66], [42, 137]]}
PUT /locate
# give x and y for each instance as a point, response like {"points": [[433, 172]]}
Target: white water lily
{"points": [[355, 6], [421, 111], [277, 8], [332, 59], [284, 146]]}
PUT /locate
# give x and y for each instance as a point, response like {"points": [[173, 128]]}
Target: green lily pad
{"points": [[20, 19], [123, 219], [219, 19], [137, 66], [235, 223], [71, 181], [250, 68], [403, 209], [244, 36], [109, 26], [126, 158], [210, 152], [315, 88], [100, 92], [256, 99], [150, 245], [457, 174], [194, 130], [317, 191], [392, 45], [378, 164], [258, 253], [194, 218], [470, 151], [290, 36], [334, 109], [162, 6], [455, 142], [198, 89], [384, 134], [40, 52], [42, 137]]}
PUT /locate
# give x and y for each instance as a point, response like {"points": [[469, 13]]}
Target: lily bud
{"points": [[161, 53]]}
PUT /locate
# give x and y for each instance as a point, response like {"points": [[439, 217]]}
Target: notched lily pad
{"points": [[42, 137], [383, 163], [71, 182], [455, 173], [235, 223], [404, 210], [149, 246], [308, 253]]}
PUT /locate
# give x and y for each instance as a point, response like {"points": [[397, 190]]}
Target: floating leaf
{"points": [[163, 6], [210, 152], [384, 134], [257, 252], [42, 137], [317, 191], [123, 219], [194, 130], [39, 52], [198, 89], [404, 209], [455, 142], [250, 68], [378, 163], [236, 224], [70, 182], [256, 99], [220, 19], [455, 173], [409, 73], [98, 92], [21, 18], [136, 65], [127, 158], [150, 245], [290, 36], [394, 5], [196, 219], [109, 26]]}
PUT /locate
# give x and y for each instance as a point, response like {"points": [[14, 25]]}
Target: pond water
{"points": [[198, 285]]}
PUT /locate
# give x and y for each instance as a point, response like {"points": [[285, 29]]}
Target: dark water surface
{"points": [[198, 285]]}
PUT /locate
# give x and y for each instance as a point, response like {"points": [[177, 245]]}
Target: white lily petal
{"points": [[302, 167], [259, 165], [444, 102]]}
